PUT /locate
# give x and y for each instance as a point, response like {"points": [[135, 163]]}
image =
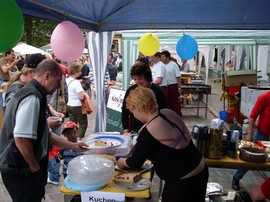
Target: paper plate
{"points": [[73, 186], [138, 186], [113, 141]]}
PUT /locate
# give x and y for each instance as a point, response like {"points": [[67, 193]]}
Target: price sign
{"points": [[96, 196]]}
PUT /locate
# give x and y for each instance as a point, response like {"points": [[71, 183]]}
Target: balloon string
{"points": [[185, 45], [65, 15], [184, 32]]}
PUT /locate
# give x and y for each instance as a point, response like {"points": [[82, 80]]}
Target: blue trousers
{"points": [[53, 168], [239, 174], [53, 165]]}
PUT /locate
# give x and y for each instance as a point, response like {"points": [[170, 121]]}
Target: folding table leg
{"points": [[160, 190]]}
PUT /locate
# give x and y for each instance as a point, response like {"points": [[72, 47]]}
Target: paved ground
{"points": [[221, 176]]}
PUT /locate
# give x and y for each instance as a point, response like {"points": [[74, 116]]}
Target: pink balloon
{"points": [[67, 41]]}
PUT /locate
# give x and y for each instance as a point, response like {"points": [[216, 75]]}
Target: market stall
{"points": [[92, 171], [199, 90], [144, 193]]}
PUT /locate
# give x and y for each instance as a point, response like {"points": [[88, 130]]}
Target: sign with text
{"points": [[100, 196], [114, 110]]}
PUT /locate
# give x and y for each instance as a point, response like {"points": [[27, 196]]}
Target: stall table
{"points": [[200, 90], [186, 77], [231, 163], [69, 194], [235, 163]]}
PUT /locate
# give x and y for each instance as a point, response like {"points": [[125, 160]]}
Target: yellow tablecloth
{"points": [[111, 188]]}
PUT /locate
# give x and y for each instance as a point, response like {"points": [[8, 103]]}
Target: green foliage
{"points": [[37, 32]]}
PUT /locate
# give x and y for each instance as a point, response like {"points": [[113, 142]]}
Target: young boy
{"points": [[70, 131]]}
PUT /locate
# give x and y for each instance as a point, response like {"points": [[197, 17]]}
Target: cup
{"points": [[223, 115]]}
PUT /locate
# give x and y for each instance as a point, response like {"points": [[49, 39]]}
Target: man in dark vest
{"points": [[25, 136]]}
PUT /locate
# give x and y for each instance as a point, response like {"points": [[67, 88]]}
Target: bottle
{"points": [[233, 143], [245, 129], [235, 138]]}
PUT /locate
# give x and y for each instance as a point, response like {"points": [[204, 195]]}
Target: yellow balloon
{"points": [[149, 44]]}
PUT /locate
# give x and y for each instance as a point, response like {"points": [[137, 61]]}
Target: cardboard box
{"points": [[240, 77]]}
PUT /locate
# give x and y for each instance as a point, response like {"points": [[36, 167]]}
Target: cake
{"points": [[101, 143], [130, 177]]}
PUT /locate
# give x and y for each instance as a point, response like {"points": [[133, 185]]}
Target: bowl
{"points": [[250, 154], [90, 171]]}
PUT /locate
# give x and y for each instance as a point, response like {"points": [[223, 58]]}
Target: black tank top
{"points": [[181, 135], [170, 164]]}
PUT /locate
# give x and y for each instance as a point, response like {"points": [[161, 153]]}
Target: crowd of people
{"points": [[32, 91], [27, 133], [31, 155]]}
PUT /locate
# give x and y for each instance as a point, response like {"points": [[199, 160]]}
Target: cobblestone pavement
{"points": [[221, 176]]}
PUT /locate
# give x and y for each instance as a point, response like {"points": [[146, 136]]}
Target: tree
{"points": [[37, 32]]}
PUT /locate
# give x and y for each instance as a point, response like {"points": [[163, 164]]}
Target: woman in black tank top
{"points": [[165, 140]]}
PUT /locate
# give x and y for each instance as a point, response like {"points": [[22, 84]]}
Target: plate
{"points": [[266, 143], [113, 141], [142, 184], [73, 186], [145, 167]]}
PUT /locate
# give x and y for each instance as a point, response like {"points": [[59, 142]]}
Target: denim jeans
{"points": [[53, 168], [239, 174], [57, 131], [53, 165]]}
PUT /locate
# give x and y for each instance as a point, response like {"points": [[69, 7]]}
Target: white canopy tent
{"points": [[103, 15], [24, 49], [48, 49], [248, 41], [99, 48]]}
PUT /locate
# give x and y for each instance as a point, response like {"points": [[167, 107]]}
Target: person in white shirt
{"points": [[75, 97], [185, 66], [173, 82], [159, 72]]}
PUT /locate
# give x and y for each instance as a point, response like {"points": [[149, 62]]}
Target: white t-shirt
{"points": [[185, 67], [173, 73], [26, 125], [74, 87], [159, 70]]}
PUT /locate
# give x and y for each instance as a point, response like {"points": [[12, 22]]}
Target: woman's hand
{"points": [[56, 113], [60, 115], [249, 137], [54, 122], [121, 163]]}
